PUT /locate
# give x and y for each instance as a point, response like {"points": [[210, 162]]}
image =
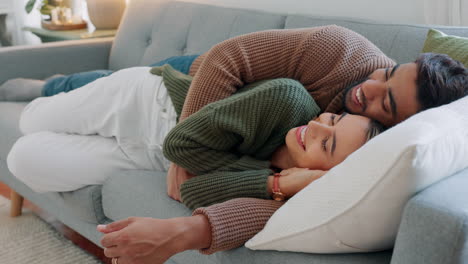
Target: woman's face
{"points": [[327, 140]]}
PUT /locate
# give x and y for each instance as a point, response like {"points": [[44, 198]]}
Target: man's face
{"points": [[389, 95]]}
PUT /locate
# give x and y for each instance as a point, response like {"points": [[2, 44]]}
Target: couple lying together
{"points": [[244, 129]]}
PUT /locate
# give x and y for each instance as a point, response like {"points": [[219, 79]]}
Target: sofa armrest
{"points": [[41, 61], [434, 226]]}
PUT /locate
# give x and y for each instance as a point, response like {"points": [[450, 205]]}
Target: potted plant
{"points": [[45, 7]]}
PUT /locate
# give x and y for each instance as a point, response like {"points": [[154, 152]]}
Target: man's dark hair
{"points": [[440, 80]]}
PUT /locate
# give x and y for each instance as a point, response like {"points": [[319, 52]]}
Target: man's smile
{"points": [[358, 99]]}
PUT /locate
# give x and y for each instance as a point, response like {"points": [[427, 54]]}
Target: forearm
{"points": [[197, 233], [218, 187], [234, 222]]}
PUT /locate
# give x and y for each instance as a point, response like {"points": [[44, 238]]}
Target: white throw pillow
{"points": [[357, 206]]}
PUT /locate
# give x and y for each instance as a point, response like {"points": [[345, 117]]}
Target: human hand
{"points": [[293, 180], [146, 240], [176, 176]]}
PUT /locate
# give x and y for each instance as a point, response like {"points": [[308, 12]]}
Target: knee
{"points": [[30, 118], [22, 161]]}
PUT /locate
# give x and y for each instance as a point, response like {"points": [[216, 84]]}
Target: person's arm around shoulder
{"points": [[252, 57]]}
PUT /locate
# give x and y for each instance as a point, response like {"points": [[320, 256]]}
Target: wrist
{"points": [[275, 187], [284, 183], [270, 185], [197, 232]]}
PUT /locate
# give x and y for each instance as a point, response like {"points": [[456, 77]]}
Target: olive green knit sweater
{"points": [[228, 143]]}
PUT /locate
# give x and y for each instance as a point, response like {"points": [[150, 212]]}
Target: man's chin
{"points": [[350, 110]]}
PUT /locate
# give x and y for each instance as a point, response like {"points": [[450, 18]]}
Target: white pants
{"points": [[82, 137]]}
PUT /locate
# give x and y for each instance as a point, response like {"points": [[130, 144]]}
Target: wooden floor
{"points": [[76, 238]]}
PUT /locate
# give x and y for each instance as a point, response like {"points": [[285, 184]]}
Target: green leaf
{"points": [[29, 6], [46, 9]]}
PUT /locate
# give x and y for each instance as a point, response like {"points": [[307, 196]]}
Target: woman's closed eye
{"points": [[324, 144], [332, 120], [325, 140]]}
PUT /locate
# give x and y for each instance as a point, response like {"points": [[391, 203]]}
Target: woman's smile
{"points": [[300, 135]]}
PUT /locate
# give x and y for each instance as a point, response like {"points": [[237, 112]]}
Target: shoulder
{"points": [[338, 33]]}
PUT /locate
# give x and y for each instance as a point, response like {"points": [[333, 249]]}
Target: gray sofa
{"points": [[434, 227]]}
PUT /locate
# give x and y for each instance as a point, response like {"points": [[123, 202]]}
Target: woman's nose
{"points": [[321, 118], [319, 129]]}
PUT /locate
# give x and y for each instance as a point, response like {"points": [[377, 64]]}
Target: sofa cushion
{"points": [[156, 30], [400, 42], [9, 118], [454, 46], [139, 193], [85, 203], [179, 28]]}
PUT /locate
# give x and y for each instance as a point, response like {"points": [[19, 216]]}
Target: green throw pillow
{"points": [[454, 46]]}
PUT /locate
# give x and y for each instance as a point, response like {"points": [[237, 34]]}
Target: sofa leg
{"points": [[16, 203]]}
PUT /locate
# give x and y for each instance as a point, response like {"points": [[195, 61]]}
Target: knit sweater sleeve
{"points": [[220, 186], [324, 59], [236, 221]]}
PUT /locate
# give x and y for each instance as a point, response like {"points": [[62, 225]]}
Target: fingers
{"points": [[111, 239], [129, 260], [112, 252], [288, 171], [173, 187], [123, 260], [115, 226], [293, 170]]}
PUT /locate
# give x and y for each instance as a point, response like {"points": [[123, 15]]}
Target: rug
{"points": [[29, 240]]}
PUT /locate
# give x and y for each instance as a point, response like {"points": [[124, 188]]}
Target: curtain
{"points": [[446, 12]]}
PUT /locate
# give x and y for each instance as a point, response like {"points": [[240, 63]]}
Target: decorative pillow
{"points": [[454, 46], [357, 206]]}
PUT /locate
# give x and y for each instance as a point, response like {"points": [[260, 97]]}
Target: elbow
{"points": [[171, 148], [168, 151]]}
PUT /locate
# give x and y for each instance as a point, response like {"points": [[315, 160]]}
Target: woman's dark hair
{"points": [[375, 128], [440, 80]]}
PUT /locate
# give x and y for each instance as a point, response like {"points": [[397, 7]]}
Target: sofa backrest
{"points": [[153, 30]]}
